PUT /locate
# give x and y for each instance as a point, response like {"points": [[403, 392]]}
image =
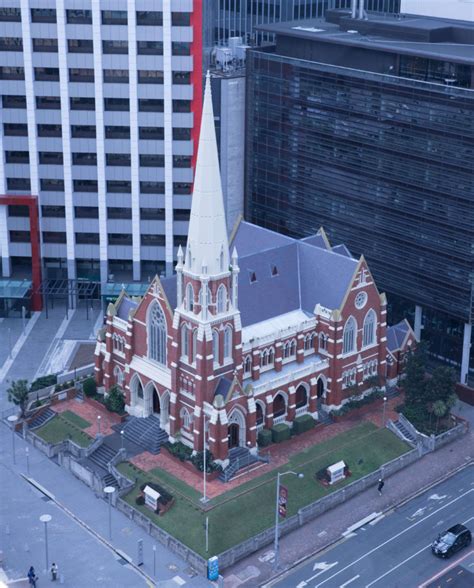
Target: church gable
{"points": [[154, 293]]}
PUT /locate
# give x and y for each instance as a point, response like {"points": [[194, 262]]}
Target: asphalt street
{"points": [[394, 550]]}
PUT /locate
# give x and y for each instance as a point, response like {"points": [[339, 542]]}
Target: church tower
{"points": [[206, 324]]}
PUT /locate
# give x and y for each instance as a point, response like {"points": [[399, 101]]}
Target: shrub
{"points": [[115, 401], [198, 461], [179, 450], [43, 382], [303, 423], [264, 437], [280, 433], [140, 500], [89, 387]]}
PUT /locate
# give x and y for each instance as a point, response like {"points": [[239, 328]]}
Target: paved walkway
{"points": [[328, 528], [279, 453], [85, 557], [89, 411]]}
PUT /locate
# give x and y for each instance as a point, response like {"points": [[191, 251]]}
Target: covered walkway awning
{"points": [[111, 290], [14, 294]]}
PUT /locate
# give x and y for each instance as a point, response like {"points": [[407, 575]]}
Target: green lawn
{"points": [[249, 509], [60, 428], [75, 419]]}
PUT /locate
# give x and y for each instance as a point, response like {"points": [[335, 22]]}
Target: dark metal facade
{"points": [[384, 163]]}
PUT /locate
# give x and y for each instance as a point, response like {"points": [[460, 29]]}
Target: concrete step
{"points": [[109, 480], [239, 458], [102, 455], [42, 419], [146, 432]]}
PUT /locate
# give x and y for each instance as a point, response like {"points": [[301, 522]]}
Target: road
{"points": [[395, 550]]}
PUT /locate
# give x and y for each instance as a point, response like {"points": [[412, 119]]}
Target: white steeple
{"points": [[207, 249]]}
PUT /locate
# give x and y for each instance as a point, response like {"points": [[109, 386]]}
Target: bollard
{"points": [[61, 578]]}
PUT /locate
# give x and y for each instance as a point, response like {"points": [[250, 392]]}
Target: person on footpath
{"points": [[32, 577], [54, 572], [380, 486]]}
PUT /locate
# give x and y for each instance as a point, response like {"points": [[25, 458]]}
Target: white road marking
{"points": [[178, 580], [419, 512], [322, 567], [268, 556], [349, 581], [438, 497], [394, 537], [405, 561]]}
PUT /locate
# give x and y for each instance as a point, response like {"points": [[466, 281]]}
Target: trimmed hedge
{"points": [[264, 437], [43, 382], [115, 401], [179, 450], [303, 423], [280, 433], [89, 387]]}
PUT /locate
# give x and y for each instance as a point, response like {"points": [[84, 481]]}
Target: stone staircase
{"points": [[42, 419], [145, 432], [109, 480], [392, 392], [324, 417], [239, 458], [405, 433], [101, 456]]}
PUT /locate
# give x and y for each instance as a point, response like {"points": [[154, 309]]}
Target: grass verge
{"points": [[60, 428], [75, 419]]}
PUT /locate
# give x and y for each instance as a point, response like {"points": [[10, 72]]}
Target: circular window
{"points": [[361, 300]]}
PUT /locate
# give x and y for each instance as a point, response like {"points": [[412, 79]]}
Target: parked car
{"points": [[451, 541]]}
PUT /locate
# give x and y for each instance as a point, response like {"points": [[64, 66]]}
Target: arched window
{"points": [[215, 346], [228, 342], [260, 413], [194, 346], [307, 343], [248, 365], [279, 405], [184, 341], [264, 358], [221, 299], [157, 334], [292, 348], [349, 337], [301, 396], [369, 328], [322, 342], [271, 357], [189, 298], [286, 350], [118, 376], [221, 260], [186, 418]]}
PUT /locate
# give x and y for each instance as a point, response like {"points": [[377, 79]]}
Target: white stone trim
{"points": [[168, 130]]}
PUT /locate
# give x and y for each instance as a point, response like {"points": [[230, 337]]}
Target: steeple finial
{"points": [[207, 235]]}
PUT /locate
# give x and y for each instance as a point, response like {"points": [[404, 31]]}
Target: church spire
{"points": [[207, 247]]}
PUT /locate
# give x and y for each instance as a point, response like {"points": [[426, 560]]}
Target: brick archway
{"points": [[32, 203]]}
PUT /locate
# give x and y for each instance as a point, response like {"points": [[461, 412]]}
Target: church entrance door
{"points": [[156, 402], [233, 435]]}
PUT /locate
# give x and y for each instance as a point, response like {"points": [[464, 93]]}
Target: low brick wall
{"points": [[465, 393]]}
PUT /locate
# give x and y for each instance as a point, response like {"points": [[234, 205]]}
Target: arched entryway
{"points": [[136, 397], [301, 396], [320, 391], [156, 402], [279, 406], [236, 433], [260, 414]]}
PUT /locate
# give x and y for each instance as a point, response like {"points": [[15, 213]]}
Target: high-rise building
{"points": [[100, 110], [365, 126]]}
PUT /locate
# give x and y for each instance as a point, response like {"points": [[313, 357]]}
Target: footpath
{"points": [[327, 529]]}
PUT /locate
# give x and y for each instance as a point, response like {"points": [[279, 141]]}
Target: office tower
{"points": [[365, 126], [100, 111]]}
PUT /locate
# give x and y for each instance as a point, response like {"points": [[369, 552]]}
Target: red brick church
{"points": [[244, 340]]}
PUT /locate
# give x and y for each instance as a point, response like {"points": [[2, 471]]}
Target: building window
{"points": [[181, 77], [47, 74], [180, 188], [149, 18], [369, 328], [115, 212], [85, 185], [185, 342], [349, 378], [52, 185], [86, 212], [115, 76], [180, 240], [51, 157], [150, 77], [15, 130], [80, 46], [84, 158], [87, 238], [152, 213], [181, 19], [215, 345], [152, 187], [151, 105], [77, 74], [152, 240], [349, 336], [279, 405], [115, 47], [51, 211], [194, 346], [181, 134], [119, 186], [49, 130], [17, 157], [10, 15], [82, 103], [11, 44], [323, 342], [118, 343], [118, 159], [308, 342], [18, 210], [54, 237], [228, 342], [118, 376], [114, 17], [79, 16], [157, 334], [19, 236], [248, 365], [152, 160], [43, 15], [181, 105], [12, 73], [301, 397], [189, 298], [48, 102], [45, 45], [117, 104], [181, 214], [83, 131], [150, 47], [186, 418], [119, 239], [180, 48], [20, 184], [361, 300], [12, 101], [221, 299], [151, 133]]}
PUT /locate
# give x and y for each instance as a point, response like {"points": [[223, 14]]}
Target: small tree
{"points": [[439, 410], [115, 401], [414, 382], [441, 385], [18, 394], [89, 387]]}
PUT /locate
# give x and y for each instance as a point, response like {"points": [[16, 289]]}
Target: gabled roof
{"points": [[249, 239], [170, 288], [124, 305], [223, 388], [342, 250], [396, 335]]}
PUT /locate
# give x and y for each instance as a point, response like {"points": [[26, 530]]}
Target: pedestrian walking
{"points": [[380, 486], [54, 572], [32, 576]]}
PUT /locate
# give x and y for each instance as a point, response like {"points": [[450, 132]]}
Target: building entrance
{"points": [[233, 435]]}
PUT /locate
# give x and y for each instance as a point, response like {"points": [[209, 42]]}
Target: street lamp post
{"points": [[45, 519], [384, 407], [98, 423], [27, 452], [277, 515], [12, 419], [109, 490], [204, 497], [154, 560], [122, 433]]}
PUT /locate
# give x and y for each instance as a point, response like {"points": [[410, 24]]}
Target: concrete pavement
{"points": [[393, 550]]}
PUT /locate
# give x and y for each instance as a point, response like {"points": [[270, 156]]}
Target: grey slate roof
{"points": [[396, 335], [125, 306], [253, 239], [342, 250], [169, 286], [223, 387]]}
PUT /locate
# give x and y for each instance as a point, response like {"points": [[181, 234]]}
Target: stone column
{"points": [[466, 348], [418, 319], [278, 357], [291, 408]]}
